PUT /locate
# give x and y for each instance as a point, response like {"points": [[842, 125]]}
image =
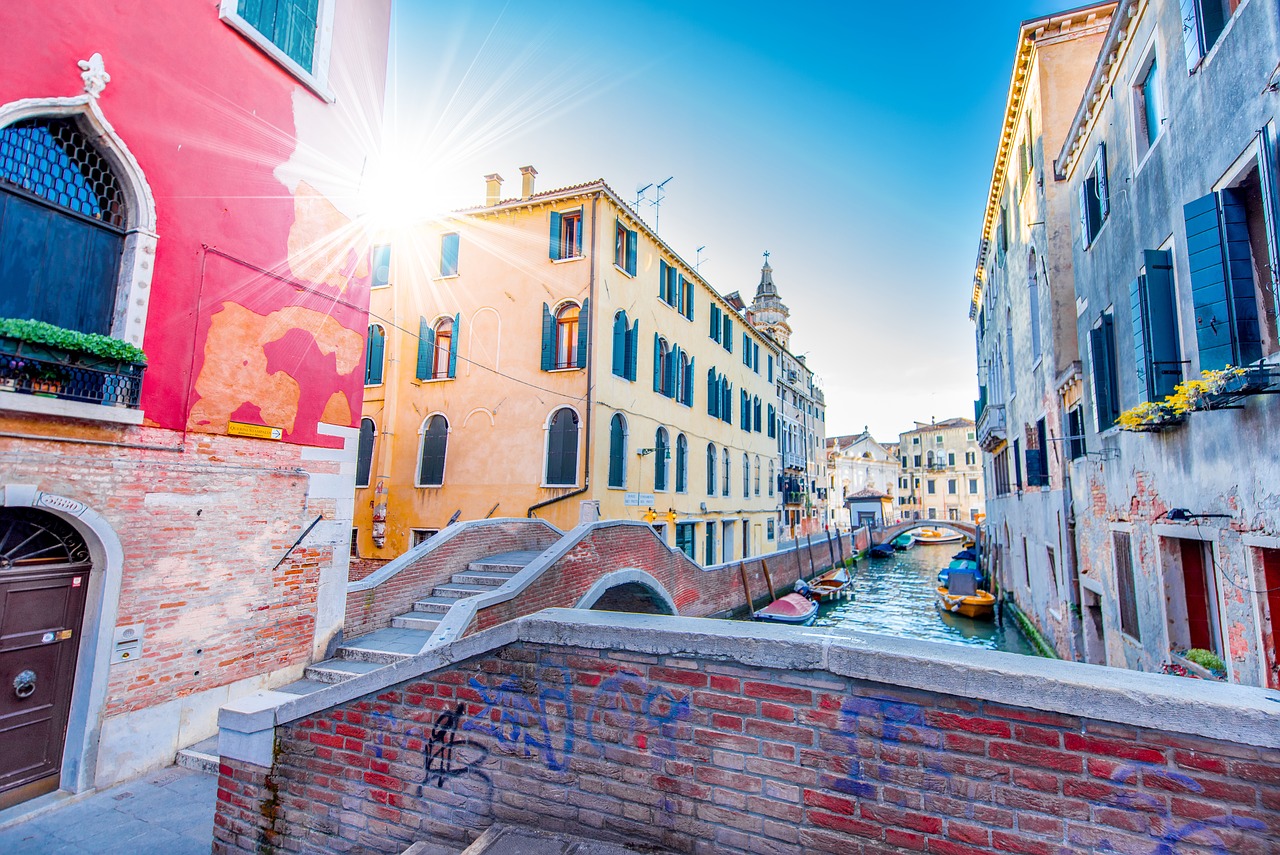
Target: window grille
{"points": [[52, 159]]}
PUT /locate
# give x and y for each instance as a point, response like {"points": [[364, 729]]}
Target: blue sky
{"points": [[853, 141]]}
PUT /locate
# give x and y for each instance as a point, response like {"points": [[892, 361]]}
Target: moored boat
{"points": [[828, 586], [903, 542], [795, 609], [881, 550], [961, 595], [934, 535]]}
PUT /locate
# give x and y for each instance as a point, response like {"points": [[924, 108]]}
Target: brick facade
{"points": [[698, 753]]}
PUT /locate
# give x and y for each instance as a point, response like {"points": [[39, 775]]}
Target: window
{"points": [[746, 477], [1106, 393], [663, 373], [756, 488], [435, 438], [373, 355], [617, 451], [933, 513], [562, 449], [564, 336], [726, 335], [626, 341], [1037, 456], [915, 461], [1075, 432], [1153, 308], [772, 478], [951, 486], [355, 543], [380, 261], [661, 454], [364, 453], [710, 549], [711, 470], [1231, 235], [973, 486], [724, 485], [1095, 199], [1148, 115], [932, 487], [1266, 564], [419, 536], [1191, 595], [438, 348], [288, 30], [716, 319], [1202, 23], [684, 379], [970, 458], [624, 248], [770, 363], [1033, 303], [1002, 235], [951, 458], [682, 464], [449, 254], [1000, 470], [1125, 591], [755, 413], [685, 535], [768, 529], [566, 235], [771, 423]]}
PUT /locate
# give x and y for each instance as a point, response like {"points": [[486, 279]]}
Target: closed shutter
{"points": [[1222, 289], [713, 394], [453, 345], [426, 345], [1106, 408], [714, 313], [771, 368], [688, 382], [555, 236], [1238, 254], [657, 363], [1191, 33], [726, 402], [728, 334], [1161, 312], [548, 339], [584, 332], [662, 280], [620, 344], [1141, 340], [633, 350], [660, 461], [631, 252], [373, 354], [364, 453], [616, 442]]}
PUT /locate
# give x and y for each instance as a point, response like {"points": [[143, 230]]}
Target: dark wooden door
{"points": [[44, 574]]}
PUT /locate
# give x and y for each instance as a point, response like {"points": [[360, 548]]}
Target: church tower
{"points": [[767, 312]]}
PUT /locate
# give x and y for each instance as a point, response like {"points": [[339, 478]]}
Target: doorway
{"points": [[44, 576]]}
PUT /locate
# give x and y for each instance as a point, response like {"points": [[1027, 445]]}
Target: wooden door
{"points": [[44, 574]]}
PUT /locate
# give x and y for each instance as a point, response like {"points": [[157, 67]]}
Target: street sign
{"points": [[638, 500]]}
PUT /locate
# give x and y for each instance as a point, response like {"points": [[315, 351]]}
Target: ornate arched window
{"points": [[435, 440], [617, 451], [562, 449]]}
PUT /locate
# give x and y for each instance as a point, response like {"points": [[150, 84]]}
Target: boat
{"points": [[881, 550], [903, 542], [828, 586], [795, 609], [933, 535], [965, 564], [962, 596]]}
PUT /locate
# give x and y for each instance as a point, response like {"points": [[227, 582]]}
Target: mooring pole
{"points": [[809, 540], [840, 543], [799, 566], [751, 606], [831, 550], [764, 565]]}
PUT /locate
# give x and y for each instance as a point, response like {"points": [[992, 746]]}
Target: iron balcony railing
{"points": [[51, 372]]}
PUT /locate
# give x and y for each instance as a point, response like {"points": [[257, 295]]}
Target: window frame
{"points": [[445, 253], [546, 448], [373, 449], [419, 480], [316, 78], [558, 220]]}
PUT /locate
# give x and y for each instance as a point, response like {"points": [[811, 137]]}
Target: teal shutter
{"points": [[657, 362], [688, 299], [426, 344], [1191, 29], [555, 236], [617, 439], [726, 404], [728, 334], [1244, 301], [449, 254], [1161, 312], [620, 344], [1270, 210], [381, 267], [688, 382], [1208, 282], [296, 30], [453, 345], [771, 368], [1141, 340], [713, 396], [662, 280], [373, 356], [548, 339], [631, 252], [584, 332], [669, 373], [633, 350], [1101, 340], [714, 312]]}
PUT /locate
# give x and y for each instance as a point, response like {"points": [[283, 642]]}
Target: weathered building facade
{"points": [[859, 466], [1024, 311], [1171, 163], [941, 473], [177, 178]]}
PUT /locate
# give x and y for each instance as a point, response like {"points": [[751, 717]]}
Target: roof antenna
{"points": [[698, 263], [660, 193], [640, 191]]}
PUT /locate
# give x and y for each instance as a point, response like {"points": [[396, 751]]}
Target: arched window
{"points": [[444, 361], [562, 449], [617, 451], [683, 378], [661, 366], [620, 339], [435, 439], [724, 486], [772, 476], [1033, 293], [364, 453], [567, 336], [661, 451], [746, 477], [682, 464], [711, 469], [757, 482], [373, 355]]}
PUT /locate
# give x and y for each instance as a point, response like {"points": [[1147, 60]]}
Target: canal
{"points": [[895, 596]]}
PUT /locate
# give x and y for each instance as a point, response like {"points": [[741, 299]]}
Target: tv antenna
{"points": [[698, 263], [660, 194], [640, 191]]}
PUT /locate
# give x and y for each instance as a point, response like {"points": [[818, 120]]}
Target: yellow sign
{"points": [[255, 431]]}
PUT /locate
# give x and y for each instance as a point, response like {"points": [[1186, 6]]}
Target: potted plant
{"points": [[47, 381], [1201, 663], [1151, 416], [50, 353]]}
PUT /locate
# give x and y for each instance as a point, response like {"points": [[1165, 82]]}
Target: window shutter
{"points": [[662, 280], [453, 345], [1270, 209], [1141, 341], [1191, 33], [373, 371], [728, 333], [688, 297], [771, 368], [1161, 312], [1104, 192], [616, 440], [555, 236], [713, 397], [449, 255], [714, 312], [633, 350], [426, 345], [657, 363], [1083, 201], [620, 344], [631, 252], [548, 339], [726, 403], [584, 331], [669, 373], [1105, 405], [1239, 268], [1209, 290], [688, 382]]}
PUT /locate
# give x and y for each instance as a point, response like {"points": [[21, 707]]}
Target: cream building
{"points": [[550, 356], [941, 473], [858, 465]]}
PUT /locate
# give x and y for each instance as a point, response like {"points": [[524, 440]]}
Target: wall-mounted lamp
{"points": [[1184, 515]]}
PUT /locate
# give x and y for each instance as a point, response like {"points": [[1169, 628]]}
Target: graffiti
{"points": [[447, 755], [522, 722], [894, 723], [625, 702]]}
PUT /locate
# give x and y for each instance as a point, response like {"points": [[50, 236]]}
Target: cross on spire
{"points": [[766, 256]]}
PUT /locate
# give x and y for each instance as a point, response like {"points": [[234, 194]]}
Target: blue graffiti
{"points": [[625, 701], [522, 721]]}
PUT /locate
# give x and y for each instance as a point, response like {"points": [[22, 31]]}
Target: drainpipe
{"points": [[589, 415]]}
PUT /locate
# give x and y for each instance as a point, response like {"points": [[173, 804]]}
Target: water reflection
{"points": [[895, 596]]}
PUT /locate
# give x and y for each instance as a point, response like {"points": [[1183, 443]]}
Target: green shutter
{"points": [[688, 299], [728, 334], [620, 344], [548, 339], [669, 373], [726, 405], [426, 344], [662, 280], [1161, 312], [373, 355], [453, 345], [555, 236], [633, 350], [713, 396], [617, 439], [715, 321], [584, 330], [657, 362], [1141, 339], [631, 252], [1244, 301]]}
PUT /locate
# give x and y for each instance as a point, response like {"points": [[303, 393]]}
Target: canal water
{"points": [[895, 596]]}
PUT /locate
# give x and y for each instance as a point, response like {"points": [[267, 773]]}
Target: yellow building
{"points": [[550, 356]]}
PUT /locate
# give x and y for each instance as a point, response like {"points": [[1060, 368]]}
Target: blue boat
{"points": [[965, 565]]}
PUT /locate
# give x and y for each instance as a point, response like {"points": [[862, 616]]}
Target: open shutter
{"points": [[1240, 284], [1105, 405], [631, 252], [662, 280], [548, 339], [669, 373], [1141, 343], [726, 403], [1104, 192], [1209, 283], [1191, 33], [686, 287], [453, 345], [555, 236], [373, 371], [713, 397], [1083, 201], [728, 333], [715, 321], [657, 363], [1161, 312], [1270, 209], [688, 382], [633, 350], [584, 332], [426, 344], [620, 345]]}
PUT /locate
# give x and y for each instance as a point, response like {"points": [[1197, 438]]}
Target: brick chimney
{"points": [[492, 189], [526, 187]]}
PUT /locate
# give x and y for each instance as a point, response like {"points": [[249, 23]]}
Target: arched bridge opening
{"points": [[632, 591]]}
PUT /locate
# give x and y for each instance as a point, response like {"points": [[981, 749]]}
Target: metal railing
{"points": [[53, 373]]}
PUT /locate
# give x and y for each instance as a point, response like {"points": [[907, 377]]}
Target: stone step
{"points": [[385, 646], [491, 579], [434, 605], [338, 670], [458, 591], [416, 620], [201, 757], [487, 566]]}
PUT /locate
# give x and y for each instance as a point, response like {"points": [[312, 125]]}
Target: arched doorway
{"points": [[44, 578]]}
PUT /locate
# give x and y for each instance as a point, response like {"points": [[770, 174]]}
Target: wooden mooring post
{"points": [[840, 544], [764, 565], [751, 606], [808, 538], [799, 566], [831, 550]]}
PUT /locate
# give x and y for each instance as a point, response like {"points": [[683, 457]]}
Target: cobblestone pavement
{"points": [[169, 812]]}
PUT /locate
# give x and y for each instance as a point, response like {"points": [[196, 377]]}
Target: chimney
{"points": [[492, 189], [526, 187]]}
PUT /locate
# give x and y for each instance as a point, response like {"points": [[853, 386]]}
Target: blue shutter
{"points": [[633, 350], [713, 395], [1208, 283], [1106, 406], [657, 362], [620, 344], [669, 372], [688, 382], [449, 255], [662, 280], [1191, 29], [548, 339], [584, 331], [426, 344], [771, 368], [715, 321], [381, 263], [373, 354], [688, 299], [728, 334], [1161, 313], [631, 252], [1141, 343], [1244, 301], [617, 475], [453, 344], [726, 403], [555, 236]]}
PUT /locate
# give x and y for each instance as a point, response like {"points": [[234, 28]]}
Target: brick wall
{"points": [[362, 567], [373, 609], [699, 754]]}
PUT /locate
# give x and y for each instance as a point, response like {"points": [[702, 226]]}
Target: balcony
{"points": [[793, 497], [41, 378], [991, 427], [791, 460]]}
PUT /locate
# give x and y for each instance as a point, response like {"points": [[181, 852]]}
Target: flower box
{"points": [[45, 369]]}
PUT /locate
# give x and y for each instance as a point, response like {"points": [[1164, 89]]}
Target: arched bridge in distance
{"points": [[884, 535]]}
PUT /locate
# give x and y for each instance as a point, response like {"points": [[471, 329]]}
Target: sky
{"points": [[852, 141]]}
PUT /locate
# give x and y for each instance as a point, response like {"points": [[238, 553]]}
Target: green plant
{"points": [[39, 332], [1206, 659]]}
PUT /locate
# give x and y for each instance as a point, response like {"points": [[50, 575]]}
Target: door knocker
{"points": [[24, 685]]}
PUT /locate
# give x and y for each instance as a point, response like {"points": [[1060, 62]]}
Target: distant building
{"points": [[1024, 309], [856, 465], [940, 477]]}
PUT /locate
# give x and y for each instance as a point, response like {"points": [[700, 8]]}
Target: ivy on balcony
{"points": [[42, 359]]}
